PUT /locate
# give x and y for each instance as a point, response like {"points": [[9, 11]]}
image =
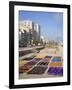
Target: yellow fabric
{"points": [[21, 62]]}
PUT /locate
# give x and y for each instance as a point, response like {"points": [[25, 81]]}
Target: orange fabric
{"points": [[55, 64]]}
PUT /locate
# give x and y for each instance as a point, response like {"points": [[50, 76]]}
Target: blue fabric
{"points": [[56, 60]]}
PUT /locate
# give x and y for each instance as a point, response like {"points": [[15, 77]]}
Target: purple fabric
{"points": [[46, 59], [48, 56], [37, 59], [55, 71]]}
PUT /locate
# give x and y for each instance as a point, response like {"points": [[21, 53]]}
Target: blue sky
{"points": [[51, 23]]}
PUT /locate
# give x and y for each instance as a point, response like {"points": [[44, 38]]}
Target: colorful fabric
{"points": [[56, 60], [55, 71], [55, 64]]}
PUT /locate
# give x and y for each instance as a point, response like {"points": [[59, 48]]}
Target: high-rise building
{"points": [[26, 25], [29, 32], [37, 29], [19, 35]]}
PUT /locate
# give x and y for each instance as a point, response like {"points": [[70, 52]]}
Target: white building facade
{"points": [[29, 32]]}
